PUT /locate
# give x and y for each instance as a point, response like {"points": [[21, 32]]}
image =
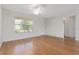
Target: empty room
{"points": [[39, 29]]}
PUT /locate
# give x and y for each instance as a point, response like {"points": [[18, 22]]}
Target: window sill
{"points": [[24, 32]]}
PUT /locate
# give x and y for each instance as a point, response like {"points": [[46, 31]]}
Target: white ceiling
{"points": [[48, 10]]}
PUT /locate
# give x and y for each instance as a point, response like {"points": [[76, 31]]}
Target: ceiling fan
{"points": [[37, 9]]}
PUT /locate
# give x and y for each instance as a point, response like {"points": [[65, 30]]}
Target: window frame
{"points": [[20, 24]]}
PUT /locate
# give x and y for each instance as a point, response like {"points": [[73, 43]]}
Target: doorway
{"points": [[69, 28]]}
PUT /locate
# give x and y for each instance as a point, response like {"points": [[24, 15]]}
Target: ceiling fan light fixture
{"points": [[36, 10]]}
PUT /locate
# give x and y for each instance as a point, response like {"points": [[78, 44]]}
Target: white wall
{"points": [[55, 27], [77, 27], [0, 25], [8, 26], [41, 26], [69, 26]]}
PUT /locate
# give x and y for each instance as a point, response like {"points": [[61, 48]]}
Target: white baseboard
{"points": [[77, 39], [20, 38], [56, 36]]}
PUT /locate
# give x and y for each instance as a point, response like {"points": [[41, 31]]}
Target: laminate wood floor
{"points": [[42, 45]]}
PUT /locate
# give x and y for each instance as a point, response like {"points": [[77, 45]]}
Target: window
{"points": [[23, 25]]}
